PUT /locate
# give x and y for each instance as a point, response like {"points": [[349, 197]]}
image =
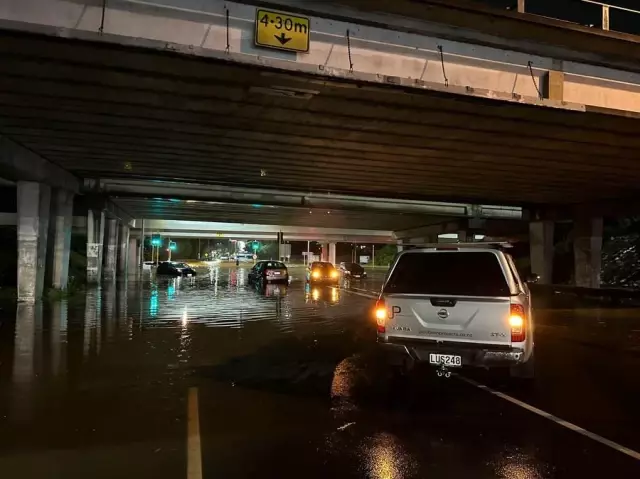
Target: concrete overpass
{"points": [[418, 103]]}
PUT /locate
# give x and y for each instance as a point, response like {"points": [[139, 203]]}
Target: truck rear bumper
{"points": [[472, 355]]}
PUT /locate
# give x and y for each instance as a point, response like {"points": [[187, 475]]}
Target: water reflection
{"points": [[513, 464], [92, 325], [27, 349], [385, 458], [153, 302], [79, 334], [58, 335], [321, 293], [123, 309], [109, 308]]}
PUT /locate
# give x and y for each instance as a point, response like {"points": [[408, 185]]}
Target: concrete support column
{"points": [[332, 253], [400, 247], [60, 238], [324, 255], [587, 250], [95, 241], [541, 250], [140, 262], [463, 237], [110, 260], [33, 226], [123, 254], [132, 267], [552, 85]]}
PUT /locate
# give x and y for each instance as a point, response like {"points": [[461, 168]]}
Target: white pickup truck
{"points": [[457, 305]]}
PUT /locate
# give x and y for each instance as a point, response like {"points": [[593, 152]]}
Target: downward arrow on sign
{"points": [[282, 39]]}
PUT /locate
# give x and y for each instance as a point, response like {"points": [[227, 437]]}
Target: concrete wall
{"points": [[383, 52]]}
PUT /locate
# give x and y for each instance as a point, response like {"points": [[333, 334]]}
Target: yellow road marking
{"points": [[194, 449]]}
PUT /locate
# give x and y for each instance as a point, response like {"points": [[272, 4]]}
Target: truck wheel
{"points": [[524, 371]]}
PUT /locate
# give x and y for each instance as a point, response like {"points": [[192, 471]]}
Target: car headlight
{"points": [[315, 274], [334, 274]]}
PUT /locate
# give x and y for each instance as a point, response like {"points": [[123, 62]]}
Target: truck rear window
{"points": [[449, 273]]}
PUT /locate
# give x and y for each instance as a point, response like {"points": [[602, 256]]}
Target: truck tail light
{"points": [[381, 315], [517, 319]]}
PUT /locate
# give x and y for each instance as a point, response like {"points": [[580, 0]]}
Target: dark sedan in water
{"points": [[269, 272], [170, 268], [353, 270]]}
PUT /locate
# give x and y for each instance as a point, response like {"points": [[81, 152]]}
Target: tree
{"points": [[268, 250], [385, 255]]}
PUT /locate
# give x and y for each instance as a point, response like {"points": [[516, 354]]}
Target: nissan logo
{"points": [[443, 314]]}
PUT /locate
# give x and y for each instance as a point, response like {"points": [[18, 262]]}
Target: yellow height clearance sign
{"points": [[281, 31]]}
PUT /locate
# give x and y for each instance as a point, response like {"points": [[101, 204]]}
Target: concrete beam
{"points": [[430, 230], [98, 201], [199, 229], [345, 238], [221, 229], [386, 50], [291, 198], [454, 21], [21, 164]]}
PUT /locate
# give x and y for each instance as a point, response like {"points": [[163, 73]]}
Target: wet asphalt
{"points": [[288, 383]]}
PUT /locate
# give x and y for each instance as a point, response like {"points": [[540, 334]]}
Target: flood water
{"points": [[289, 382]]}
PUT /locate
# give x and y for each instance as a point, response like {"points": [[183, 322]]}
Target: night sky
{"points": [[579, 12]]}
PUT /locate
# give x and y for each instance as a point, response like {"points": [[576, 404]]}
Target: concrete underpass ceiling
{"points": [[100, 110], [166, 209]]}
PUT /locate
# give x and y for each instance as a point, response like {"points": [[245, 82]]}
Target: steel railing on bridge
{"points": [[606, 8]]}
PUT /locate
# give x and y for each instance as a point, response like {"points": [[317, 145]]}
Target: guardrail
{"points": [[605, 11]]}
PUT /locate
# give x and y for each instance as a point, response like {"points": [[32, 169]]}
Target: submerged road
{"points": [[209, 378]]}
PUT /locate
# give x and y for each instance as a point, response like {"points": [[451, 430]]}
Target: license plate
{"points": [[276, 273], [356, 276], [446, 359], [189, 275]]}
